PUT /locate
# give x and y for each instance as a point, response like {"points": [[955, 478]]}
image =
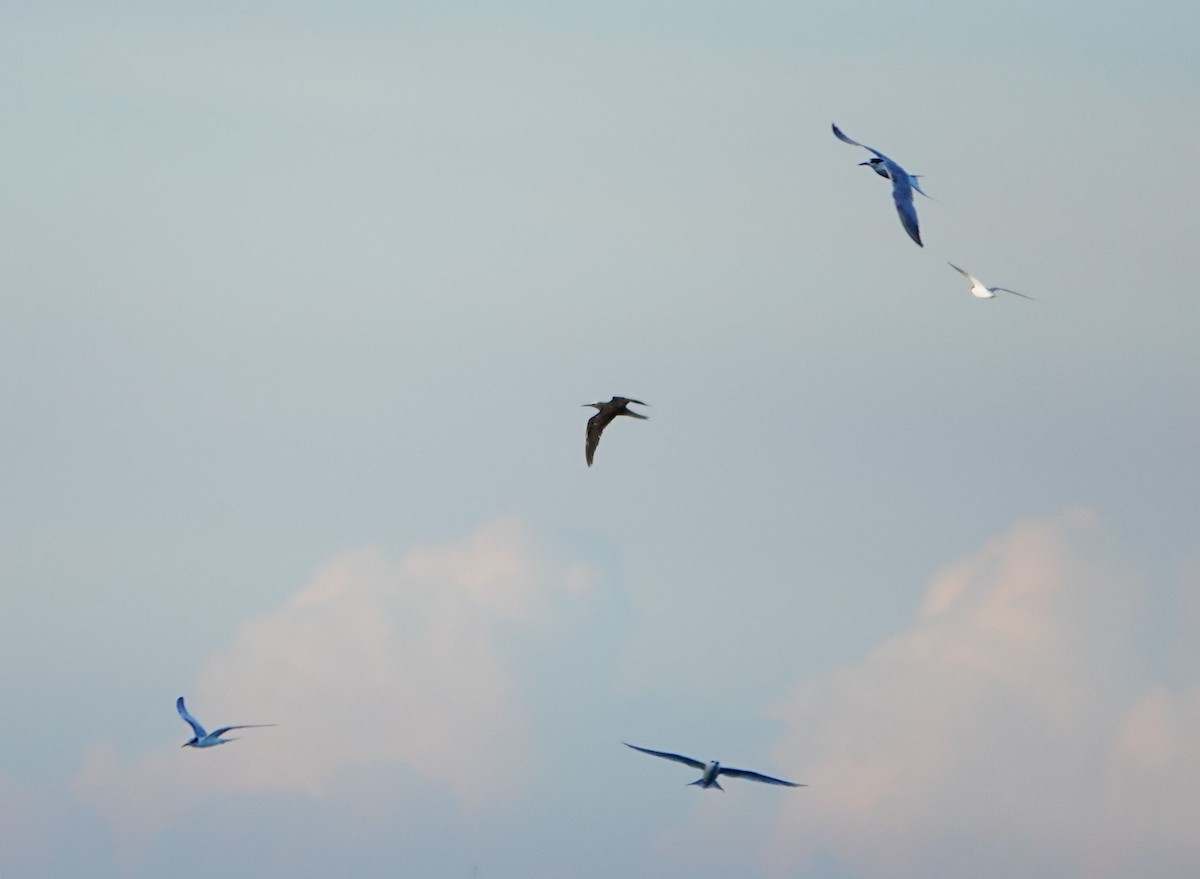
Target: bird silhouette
{"points": [[980, 290], [606, 412], [903, 184], [712, 769], [203, 739]]}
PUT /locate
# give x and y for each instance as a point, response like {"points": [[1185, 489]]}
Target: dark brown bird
{"points": [[606, 412]]}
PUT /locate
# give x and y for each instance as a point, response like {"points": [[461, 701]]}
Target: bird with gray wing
{"points": [[712, 769], [880, 167], [605, 413], [981, 291], [903, 185], [204, 739]]}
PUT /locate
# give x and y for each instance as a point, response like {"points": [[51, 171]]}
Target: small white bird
{"points": [[203, 739], [712, 769], [979, 291], [903, 185]]}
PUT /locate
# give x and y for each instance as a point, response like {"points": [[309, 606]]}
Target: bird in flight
{"points": [[879, 166], [606, 412], [203, 739], [712, 769], [979, 291], [903, 185]]}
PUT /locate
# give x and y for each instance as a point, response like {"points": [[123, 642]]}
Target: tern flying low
{"points": [[980, 291], [606, 412], [203, 739], [903, 185], [712, 769]]}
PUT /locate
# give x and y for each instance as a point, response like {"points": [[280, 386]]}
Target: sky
{"points": [[300, 305]]}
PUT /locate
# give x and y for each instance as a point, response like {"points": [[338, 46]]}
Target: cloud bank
{"points": [[1011, 730], [373, 663]]}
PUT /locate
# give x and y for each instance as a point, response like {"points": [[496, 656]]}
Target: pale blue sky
{"points": [[290, 282]]}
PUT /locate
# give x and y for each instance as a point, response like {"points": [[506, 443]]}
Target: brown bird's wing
{"points": [[595, 427]]}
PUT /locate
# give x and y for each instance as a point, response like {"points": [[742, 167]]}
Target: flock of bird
{"points": [[904, 185]]}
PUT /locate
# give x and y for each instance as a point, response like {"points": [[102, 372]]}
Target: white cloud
{"points": [[374, 662], [1152, 797], [1010, 730]]}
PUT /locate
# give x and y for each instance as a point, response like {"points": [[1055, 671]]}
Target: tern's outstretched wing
{"points": [[756, 776], [183, 712], [902, 194], [217, 733], [678, 758], [840, 135], [1013, 292], [974, 280]]}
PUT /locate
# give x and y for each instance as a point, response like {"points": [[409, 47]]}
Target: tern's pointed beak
{"points": [[864, 163]]}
